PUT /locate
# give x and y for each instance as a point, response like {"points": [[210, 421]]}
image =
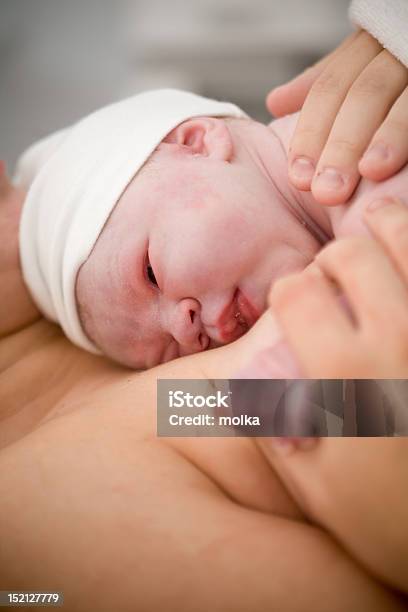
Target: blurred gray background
{"points": [[62, 59]]}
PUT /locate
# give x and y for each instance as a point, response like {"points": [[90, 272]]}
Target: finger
{"points": [[388, 151], [5, 184], [364, 109], [322, 105], [289, 98], [372, 287], [312, 320], [387, 220]]}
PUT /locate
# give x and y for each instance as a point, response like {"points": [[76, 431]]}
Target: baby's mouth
{"points": [[240, 319], [246, 310], [238, 316], [236, 326]]}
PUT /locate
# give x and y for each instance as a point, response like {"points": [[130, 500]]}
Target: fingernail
{"points": [[377, 153], [306, 443], [302, 169], [283, 446], [282, 362], [287, 446], [330, 179], [377, 204], [277, 361]]}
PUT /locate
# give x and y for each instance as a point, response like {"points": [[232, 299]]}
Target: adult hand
{"points": [[354, 119], [13, 289], [369, 337]]}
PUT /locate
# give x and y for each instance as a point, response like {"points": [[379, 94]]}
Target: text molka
{"points": [[203, 420], [180, 399]]}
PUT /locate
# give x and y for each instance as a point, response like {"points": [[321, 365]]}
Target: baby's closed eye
{"points": [[149, 272]]}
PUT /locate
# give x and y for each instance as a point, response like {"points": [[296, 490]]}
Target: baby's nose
{"points": [[187, 328]]}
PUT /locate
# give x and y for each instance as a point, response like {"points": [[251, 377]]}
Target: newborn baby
{"points": [[147, 253]]}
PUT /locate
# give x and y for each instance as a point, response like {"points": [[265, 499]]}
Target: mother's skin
{"points": [[94, 505]]}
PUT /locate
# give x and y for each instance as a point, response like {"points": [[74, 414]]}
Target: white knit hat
{"points": [[78, 175]]}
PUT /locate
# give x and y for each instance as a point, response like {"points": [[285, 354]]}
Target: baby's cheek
{"points": [[95, 298], [240, 235], [227, 235]]}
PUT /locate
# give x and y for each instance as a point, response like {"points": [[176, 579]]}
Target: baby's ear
{"points": [[206, 136]]}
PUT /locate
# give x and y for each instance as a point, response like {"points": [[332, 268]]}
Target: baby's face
{"points": [[186, 259]]}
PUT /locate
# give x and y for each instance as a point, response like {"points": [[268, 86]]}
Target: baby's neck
{"points": [[272, 144], [304, 201]]}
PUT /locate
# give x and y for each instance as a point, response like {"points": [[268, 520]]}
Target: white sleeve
{"points": [[387, 21]]}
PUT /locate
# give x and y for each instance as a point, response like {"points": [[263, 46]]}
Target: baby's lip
{"points": [[247, 309], [236, 318]]}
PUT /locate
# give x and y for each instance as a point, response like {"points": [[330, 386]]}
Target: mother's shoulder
{"points": [[42, 374]]}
